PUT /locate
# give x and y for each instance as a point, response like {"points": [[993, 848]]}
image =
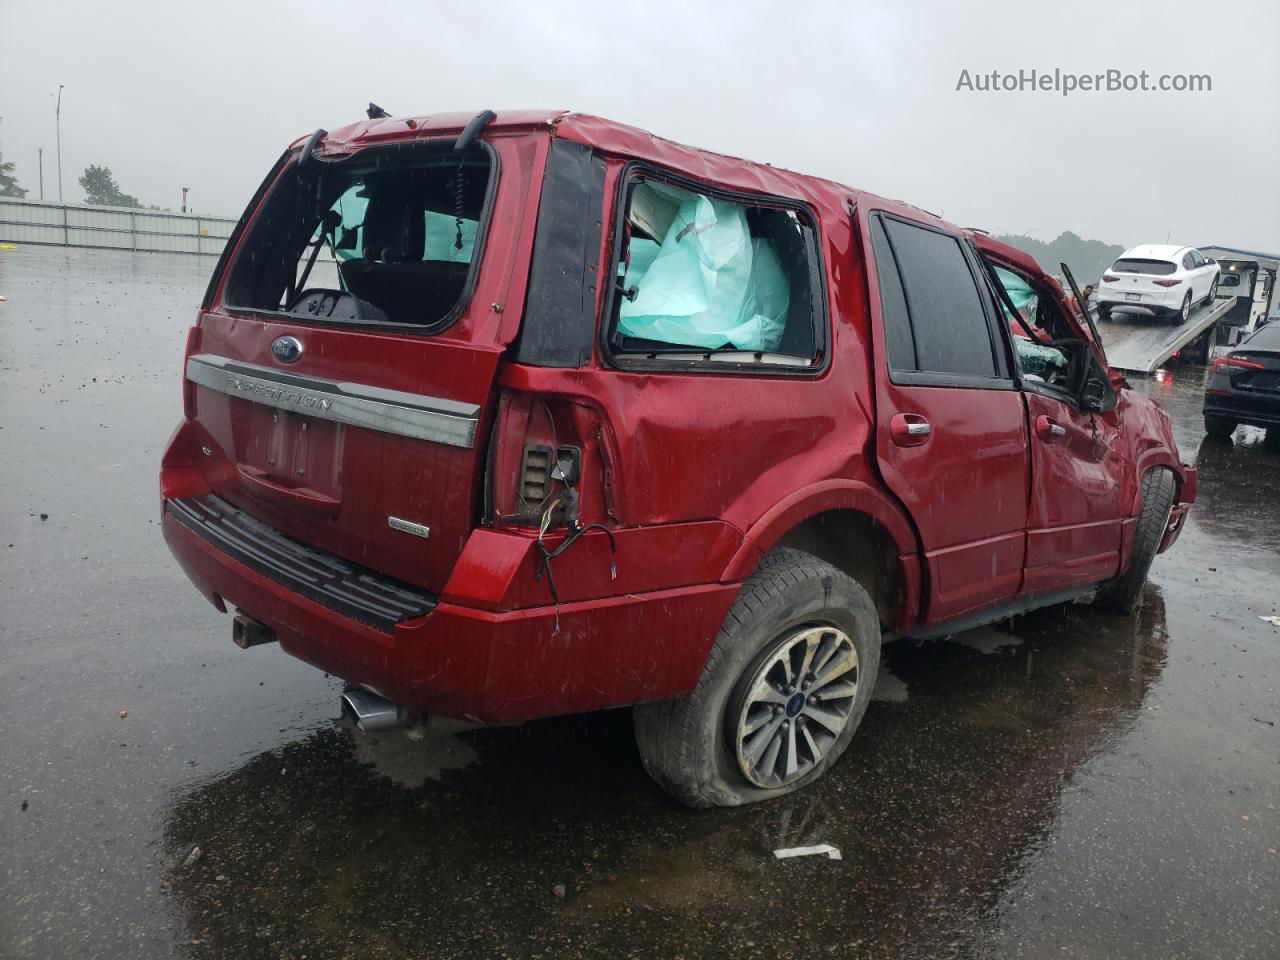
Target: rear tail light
{"points": [[189, 388], [1108, 278], [1236, 362], [1166, 283]]}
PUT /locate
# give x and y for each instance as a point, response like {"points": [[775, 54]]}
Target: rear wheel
{"points": [[1184, 312], [1123, 593], [783, 690], [1213, 293], [1104, 313], [1219, 426]]}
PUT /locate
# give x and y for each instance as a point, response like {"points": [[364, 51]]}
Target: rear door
{"points": [[1195, 276], [344, 367], [951, 426]]}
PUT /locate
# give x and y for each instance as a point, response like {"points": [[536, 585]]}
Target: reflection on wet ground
{"points": [[1069, 784]]}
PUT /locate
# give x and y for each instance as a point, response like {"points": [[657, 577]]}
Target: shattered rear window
{"points": [[385, 236]]}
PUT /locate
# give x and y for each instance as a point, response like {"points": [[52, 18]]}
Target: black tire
{"points": [[1123, 593], [1184, 312], [1104, 313], [686, 744], [1219, 426], [1213, 293]]}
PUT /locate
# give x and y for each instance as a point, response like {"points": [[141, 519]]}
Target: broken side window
{"points": [[1037, 344], [703, 277], [383, 236]]}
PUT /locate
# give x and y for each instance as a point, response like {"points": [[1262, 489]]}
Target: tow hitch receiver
{"points": [[247, 632]]}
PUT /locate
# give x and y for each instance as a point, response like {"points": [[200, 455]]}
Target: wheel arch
{"points": [[852, 526]]}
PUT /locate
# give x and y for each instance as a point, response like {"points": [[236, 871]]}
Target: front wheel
{"points": [[1213, 294], [782, 692], [1158, 489]]}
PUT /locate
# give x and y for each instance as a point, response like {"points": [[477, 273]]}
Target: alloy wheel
{"points": [[797, 704]]}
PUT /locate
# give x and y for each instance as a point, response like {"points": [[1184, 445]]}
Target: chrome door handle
{"points": [[909, 429], [1048, 430]]}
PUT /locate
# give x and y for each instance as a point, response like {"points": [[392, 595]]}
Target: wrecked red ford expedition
{"points": [[506, 416]]}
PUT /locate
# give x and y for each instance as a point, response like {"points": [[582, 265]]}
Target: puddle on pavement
{"points": [[889, 689], [1064, 784], [986, 640], [467, 848], [411, 757]]}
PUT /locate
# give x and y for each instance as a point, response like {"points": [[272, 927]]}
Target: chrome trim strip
{"points": [[360, 405]]}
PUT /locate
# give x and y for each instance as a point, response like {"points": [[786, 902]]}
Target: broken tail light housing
{"points": [[1166, 283], [535, 473]]}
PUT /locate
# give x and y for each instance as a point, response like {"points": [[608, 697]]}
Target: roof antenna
{"points": [[375, 112]]}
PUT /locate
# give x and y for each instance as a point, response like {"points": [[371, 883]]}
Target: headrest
{"points": [[394, 229]]}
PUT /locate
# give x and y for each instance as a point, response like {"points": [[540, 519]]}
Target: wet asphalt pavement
{"points": [[1072, 784]]}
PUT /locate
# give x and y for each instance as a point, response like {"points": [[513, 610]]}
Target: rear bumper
{"points": [[1257, 411], [1159, 302], [482, 665], [1145, 308]]}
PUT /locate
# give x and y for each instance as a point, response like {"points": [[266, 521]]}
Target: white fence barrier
{"points": [[117, 228]]}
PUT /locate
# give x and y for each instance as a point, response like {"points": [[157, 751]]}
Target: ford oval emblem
{"points": [[286, 349]]}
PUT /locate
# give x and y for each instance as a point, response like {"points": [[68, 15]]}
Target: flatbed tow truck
{"points": [[1140, 344]]}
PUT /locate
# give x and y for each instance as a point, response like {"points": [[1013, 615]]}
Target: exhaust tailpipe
{"points": [[372, 712]]}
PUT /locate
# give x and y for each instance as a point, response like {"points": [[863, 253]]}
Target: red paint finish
{"points": [[696, 475], [483, 666], [1080, 493], [965, 488]]}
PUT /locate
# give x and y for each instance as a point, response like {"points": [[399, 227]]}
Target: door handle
{"points": [[909, 429], [1048, 429]]}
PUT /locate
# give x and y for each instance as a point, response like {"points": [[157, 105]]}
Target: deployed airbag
{"points": [[708, 283]]}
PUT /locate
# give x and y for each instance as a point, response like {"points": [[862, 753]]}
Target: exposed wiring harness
{"points": [[547, 555]]}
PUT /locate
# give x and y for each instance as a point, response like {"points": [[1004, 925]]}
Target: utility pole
{"points": [[57, 113], [40, 150], [184, 199]]}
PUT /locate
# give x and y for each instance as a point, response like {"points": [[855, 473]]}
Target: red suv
{"points": [[501, 417]]}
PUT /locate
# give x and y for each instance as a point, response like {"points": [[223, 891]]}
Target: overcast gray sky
{"points": [[171, 94]]}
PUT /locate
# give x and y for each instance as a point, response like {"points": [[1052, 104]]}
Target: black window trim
{"points": [[420, 329], [635, 170], [1073, 399], [1004, 379]]}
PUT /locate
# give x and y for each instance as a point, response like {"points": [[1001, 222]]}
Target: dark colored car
{"points": [[502, 417], [1244, 385]]}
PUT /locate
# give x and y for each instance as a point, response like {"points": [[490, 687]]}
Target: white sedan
{"points": [[1158, 280]]}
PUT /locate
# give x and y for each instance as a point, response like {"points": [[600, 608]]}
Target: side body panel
{"points": [[1081, 491]]}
